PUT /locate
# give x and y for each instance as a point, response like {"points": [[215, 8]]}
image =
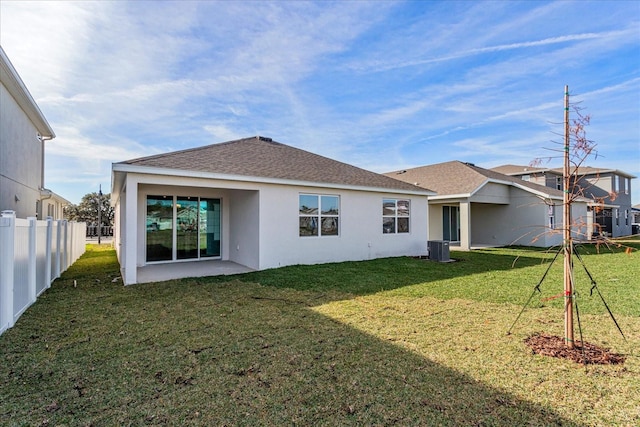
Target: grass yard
{"points": [[397, 341]]}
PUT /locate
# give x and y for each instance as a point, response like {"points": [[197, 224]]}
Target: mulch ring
{"points": [[589, 354]]}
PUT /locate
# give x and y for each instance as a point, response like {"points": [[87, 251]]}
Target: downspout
{"points": [[44, 193], [43, 139]]}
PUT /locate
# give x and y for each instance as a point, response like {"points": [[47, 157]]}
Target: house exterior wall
{"points": [[607, 187], [492, 193], [611, 189], [244, 229], [360, 228], [53, 206], [21, 157], [119, 226], [260, 223], [597, 186], [551, 180], [435, 221], [541, 179], [524, 222]]}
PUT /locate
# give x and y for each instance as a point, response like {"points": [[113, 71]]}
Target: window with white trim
{"points": [[627, 188], [319, 215], [552, 218], [395, 216], [559, 183]]}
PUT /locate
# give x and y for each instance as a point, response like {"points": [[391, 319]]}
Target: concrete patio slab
{"points": [[176, 270]]}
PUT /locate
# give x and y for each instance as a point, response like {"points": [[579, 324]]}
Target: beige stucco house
{"points": [[258, 204], [476, 207]]}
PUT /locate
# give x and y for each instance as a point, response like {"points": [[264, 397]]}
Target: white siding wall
{"points": [[20, 159]]}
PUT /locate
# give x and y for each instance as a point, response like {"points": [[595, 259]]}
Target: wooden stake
{"points": [[568, 244]]}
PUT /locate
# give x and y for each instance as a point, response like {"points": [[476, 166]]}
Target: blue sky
{"points": [[381, 85]]}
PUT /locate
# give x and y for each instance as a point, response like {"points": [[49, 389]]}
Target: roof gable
{"points": [[459, 178], [519, 170], [16, 87], [262, 157], [443, 178], [585, 171]]}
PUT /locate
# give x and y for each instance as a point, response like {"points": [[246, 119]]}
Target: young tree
{"points": [[574, 150]]}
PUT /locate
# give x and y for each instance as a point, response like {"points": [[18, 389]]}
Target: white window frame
{"points": [[319, 216], [559, 183], [627, 185], [396, 216]]}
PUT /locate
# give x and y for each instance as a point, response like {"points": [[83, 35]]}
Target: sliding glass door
{"points": [[209, 227], [159, 228], [451, 223], [187, 228], [181, 228]]}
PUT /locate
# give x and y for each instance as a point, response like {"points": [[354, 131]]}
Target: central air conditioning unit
{"points": [[438, 250]]}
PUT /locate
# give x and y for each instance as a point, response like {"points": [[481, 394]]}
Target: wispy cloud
{"points": [[499, 48], [383, 85]]}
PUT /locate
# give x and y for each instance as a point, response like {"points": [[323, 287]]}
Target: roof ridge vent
{"points": [[264, 138], [401, 172], [469, 164]]}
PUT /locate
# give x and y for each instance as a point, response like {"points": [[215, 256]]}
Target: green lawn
{"points": [[397, 341]]}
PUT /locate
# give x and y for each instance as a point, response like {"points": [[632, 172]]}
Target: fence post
{"points": [[65, 247], [58, 243], [33, 255], [48, 250], [72, 246], [7, 250]]}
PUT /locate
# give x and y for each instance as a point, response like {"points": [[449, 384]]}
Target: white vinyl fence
{"points": [[32, 255]]}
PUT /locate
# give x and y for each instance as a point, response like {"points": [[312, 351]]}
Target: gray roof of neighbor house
{"points": [[520, 169], [16, 87], [582, 170], [261, 157], [459, 178]]}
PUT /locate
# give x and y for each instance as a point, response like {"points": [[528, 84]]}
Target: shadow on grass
{"points": [[180, 353]]}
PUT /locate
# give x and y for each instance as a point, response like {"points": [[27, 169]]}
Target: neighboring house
{"points": [[260, 204], [53, 205], [635, 219], [609, 190], [23, 131], [476, 207]]}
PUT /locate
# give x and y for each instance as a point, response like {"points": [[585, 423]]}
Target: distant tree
{"points": [[87, 210]]}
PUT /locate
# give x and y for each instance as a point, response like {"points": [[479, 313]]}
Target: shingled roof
{"points": [[261, 157], [582, 170], [459, 178], [519, 169]]}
